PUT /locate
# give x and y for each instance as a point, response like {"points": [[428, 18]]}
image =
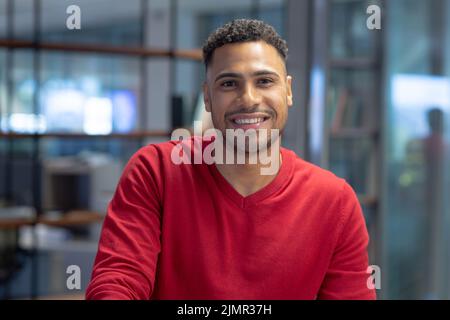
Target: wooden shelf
{"points": [[14, 223], [72, 218], [194, 54], [132, 135]]}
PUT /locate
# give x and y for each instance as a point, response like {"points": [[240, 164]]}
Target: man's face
{"points": [[247, 87]]}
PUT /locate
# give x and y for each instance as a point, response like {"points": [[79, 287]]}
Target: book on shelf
{"points": [[347, 111]]}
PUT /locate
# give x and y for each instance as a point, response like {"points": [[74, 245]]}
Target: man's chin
{"points": [[250, 144]]}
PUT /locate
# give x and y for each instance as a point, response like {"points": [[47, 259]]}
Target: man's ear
{"points": [[206, 100], [289, 91]]}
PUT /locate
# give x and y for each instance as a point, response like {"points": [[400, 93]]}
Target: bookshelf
{"points": [[38, 46], [345, 134], [353, 108]]}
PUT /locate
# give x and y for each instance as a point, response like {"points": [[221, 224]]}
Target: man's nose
{"points": [[250, 96]]}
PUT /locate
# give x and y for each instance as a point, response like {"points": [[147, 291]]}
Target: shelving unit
{"points": [[84, 48], [71, 218], [358, 72], [346, 110], [36, 46]]}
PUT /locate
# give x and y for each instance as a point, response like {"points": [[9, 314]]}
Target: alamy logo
{"points": [[374, 280], [374, 20], [74, 280], [239, 146], [73, 21]]}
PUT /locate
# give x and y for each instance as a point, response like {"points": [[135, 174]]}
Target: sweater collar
{"points": [[283, 175]]}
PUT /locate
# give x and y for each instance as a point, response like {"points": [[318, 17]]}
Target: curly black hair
{"points": [[243, 30]]}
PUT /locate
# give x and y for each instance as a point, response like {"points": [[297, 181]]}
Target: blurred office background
{"points": [[373, 106]]}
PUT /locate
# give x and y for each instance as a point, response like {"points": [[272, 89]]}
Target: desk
{"points": [[15, 223], [11, 224], [16, 217]]}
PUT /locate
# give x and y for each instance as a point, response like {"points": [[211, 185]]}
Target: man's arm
{"points": [[130, 240], [347, 275]]}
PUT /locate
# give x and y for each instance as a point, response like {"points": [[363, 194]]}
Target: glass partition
{"points": [[417, 180]]}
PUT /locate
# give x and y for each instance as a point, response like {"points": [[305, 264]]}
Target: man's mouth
{"points": [[249, 121]]}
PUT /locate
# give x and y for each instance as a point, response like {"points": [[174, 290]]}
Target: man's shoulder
{"points": [[168, 154], [154, 151], [325, 189]]}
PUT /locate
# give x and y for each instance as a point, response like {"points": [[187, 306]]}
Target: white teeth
{"points": [[249, 121]]}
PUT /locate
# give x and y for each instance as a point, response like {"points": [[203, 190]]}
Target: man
{"points": [[224, 230]]}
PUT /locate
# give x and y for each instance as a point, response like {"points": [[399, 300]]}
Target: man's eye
{"points": [[265, 81], [229, 83]]}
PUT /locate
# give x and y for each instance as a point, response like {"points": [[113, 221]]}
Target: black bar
{"points": [[279, 309]]}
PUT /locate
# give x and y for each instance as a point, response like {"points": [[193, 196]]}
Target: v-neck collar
{"points": [[276, 184]]}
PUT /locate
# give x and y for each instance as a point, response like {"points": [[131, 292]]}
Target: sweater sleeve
{"points": [[129, 244], [347, 277]]}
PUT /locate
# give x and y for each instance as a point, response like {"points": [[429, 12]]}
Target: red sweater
{"points": [[183, 232]]}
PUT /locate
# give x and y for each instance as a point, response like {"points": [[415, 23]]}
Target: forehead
{"points": [[246, 57]]}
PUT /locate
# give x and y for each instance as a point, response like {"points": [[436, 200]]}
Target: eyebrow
{"points": [[240, 75]]}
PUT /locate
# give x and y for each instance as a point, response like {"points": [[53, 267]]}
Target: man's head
{"points": [[243, 30], [435, 120], [247, 86]]}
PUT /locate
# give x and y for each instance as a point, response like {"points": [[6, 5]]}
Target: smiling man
{"points": [[224, 230]]}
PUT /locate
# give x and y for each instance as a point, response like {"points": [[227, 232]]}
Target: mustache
{"points": [[269, 112]]}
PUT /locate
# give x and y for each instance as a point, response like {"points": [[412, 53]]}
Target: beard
{"points": [[249, 140]]}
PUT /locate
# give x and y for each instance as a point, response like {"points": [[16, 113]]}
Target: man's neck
{"points": [[246, 178]]}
